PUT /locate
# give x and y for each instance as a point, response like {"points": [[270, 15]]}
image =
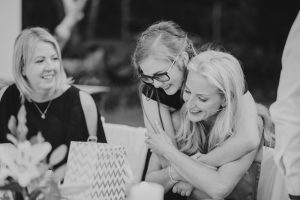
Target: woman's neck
{"points": [[42, 97], [45, 96], [209, 123]]}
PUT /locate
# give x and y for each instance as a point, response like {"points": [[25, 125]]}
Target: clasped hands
{"points": [[161, 144]]}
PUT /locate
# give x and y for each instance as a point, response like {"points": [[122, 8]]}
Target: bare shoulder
{"points": [[247, 105], [86, 100], [90, 111]]}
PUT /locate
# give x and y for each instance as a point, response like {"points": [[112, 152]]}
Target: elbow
{"points": [[253, 144], [220, 191]]}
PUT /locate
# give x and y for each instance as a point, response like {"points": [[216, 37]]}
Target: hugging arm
{"points": [[216, 184], [152, 112], [156, 173]]}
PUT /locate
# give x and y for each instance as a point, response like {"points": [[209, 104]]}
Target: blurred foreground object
{"points": [[146, 191]]}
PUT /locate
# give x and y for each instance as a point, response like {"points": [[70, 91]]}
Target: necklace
{"points": [[43, 114]]}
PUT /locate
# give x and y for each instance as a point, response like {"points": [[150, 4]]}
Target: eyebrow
{"points": [[199, 95], [159, 73]]}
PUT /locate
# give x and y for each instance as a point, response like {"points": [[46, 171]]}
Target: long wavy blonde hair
{"points": [[224, 72]]}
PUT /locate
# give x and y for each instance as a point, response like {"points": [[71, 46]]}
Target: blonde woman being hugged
{"points": [[162, 54], [209, 120]]}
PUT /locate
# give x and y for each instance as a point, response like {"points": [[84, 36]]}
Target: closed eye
{"points": [[55, 58], [202, 99], [39, 61]]}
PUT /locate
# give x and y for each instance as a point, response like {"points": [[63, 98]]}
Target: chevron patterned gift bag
{"points": [[100, 165]]}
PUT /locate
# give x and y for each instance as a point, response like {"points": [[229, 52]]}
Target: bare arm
{"points": [[151, 114], [158, 174], [90, 112], [217, 184], [73, 14]]}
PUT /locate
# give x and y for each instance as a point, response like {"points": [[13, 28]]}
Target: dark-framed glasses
{"points": [[161, 77]]}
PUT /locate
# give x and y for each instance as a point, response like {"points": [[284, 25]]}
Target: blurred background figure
{"points": [[102, 36], [73, 14], [286, 113]]}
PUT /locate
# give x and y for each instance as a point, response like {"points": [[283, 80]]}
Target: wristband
{"points": [[170, 175], [294, 197]]}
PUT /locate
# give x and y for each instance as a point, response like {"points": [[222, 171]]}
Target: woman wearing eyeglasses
{"points": [[162, 53], [214, 87]]}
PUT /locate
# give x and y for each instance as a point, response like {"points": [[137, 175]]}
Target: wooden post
{"points": [[10, 23]]}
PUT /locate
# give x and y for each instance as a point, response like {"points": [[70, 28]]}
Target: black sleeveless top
{"points": [[159, 95], [64, 121]]}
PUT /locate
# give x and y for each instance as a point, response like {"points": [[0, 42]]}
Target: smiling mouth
{"points": [[193, 111], [48, 76], [167, 87]]}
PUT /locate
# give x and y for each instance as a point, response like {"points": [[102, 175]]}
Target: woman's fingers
{"points": [[174, 189], [182, 193], [188, 193]]}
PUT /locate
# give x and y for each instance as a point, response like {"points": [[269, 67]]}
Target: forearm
{"points": [[198, 194], [161, 114], [246, 136], [216, 183], [226, 153], [200, 176], [161, 177]]}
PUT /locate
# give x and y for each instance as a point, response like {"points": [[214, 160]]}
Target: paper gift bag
{"points": [[100, 165]]}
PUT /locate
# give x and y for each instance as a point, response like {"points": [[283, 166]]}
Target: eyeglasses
{"points": [[161, 77]]}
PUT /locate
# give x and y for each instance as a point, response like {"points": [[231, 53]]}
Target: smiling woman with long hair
{"points": [[55, 108]]}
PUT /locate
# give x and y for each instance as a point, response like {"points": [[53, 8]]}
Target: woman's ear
{"points": [[223, 104]]}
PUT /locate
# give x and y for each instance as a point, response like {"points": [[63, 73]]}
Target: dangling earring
{"points": [[185, 58], [22, 71]]}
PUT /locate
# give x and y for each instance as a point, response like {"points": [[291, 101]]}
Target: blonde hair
{"points": [[162, 40], [24, 47], [223, 71]]}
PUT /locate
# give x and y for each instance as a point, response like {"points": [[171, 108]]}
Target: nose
{"points": [[49, 64], [190, 102], [157, 84]]}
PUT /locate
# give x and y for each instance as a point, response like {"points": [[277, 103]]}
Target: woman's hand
{"points": [[159, 142], [183, 188], [74, 8]]}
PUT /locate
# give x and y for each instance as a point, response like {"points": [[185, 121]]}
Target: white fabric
{"points": [[271, 185], [133, 138], [285, 112]]}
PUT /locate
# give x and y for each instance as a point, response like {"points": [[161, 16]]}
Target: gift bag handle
{"points": [[92, 138]]}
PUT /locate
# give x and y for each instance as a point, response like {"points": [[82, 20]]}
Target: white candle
{"points": [[146, 191]]}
